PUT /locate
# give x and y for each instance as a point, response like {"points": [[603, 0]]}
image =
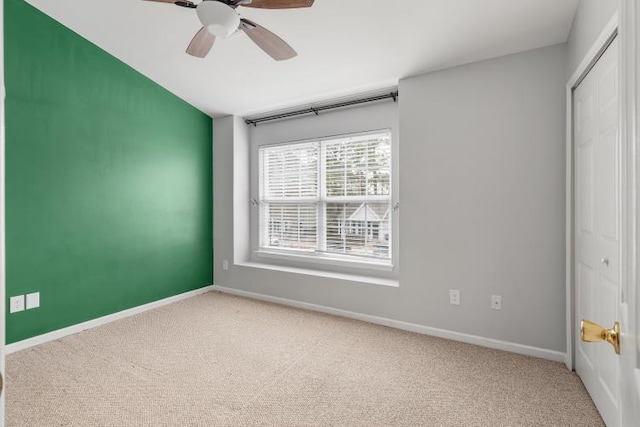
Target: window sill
{"points": [[326, 260], [330, 275]]}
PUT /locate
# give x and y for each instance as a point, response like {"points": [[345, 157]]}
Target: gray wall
{"points": [[591, 17], [223, 197], [482, 206]]}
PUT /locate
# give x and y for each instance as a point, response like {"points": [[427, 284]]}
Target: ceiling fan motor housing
{"points": [[218, 18]]}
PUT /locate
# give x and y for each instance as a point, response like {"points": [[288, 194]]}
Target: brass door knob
{"points": [[592, 332]]}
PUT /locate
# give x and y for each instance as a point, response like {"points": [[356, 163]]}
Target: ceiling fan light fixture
{"points": [[218, 18]]}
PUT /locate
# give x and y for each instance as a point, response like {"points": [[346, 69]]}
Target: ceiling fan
{"points": [[219, 18]]}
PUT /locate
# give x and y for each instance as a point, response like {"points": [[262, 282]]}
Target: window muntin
{"points": [[330, 198]]}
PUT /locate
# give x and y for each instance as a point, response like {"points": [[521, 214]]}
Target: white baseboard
{"points": [[526, 350], [74, 329], [542, 353]]}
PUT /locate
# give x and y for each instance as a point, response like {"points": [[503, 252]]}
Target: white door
{"points": [[597, 227]]}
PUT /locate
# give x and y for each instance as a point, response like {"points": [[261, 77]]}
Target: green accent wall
{"points": [[108, 180]]}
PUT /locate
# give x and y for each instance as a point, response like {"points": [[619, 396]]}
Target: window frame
{"points": [[301, 257]]}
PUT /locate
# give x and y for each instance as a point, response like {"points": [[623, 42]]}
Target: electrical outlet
{"points": [[16, 304], [33, 300], [454, 297], [496, 302], [225, 264]]}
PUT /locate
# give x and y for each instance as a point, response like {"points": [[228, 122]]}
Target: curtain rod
{"points": [[317, 110]]}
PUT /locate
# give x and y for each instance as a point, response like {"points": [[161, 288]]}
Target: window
{"points": [[329, 198]]}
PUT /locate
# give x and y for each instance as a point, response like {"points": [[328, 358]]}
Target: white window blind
{"points": [[329, 197], [289, 185]]}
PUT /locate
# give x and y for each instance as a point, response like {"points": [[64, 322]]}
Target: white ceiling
{"points": [[345, 46]]}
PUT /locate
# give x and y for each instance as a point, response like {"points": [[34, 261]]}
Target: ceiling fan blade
{"points": [[279, 4], [273, 45], [201, 43], [183, 3]]}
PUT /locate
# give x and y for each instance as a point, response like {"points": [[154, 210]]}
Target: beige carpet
{"points": [[218, 360]]}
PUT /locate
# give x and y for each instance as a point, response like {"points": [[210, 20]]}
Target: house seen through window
{"points": [[330, 197]]}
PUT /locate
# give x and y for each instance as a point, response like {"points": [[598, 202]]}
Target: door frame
{"points": [[2, 216], [630, 132]]}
